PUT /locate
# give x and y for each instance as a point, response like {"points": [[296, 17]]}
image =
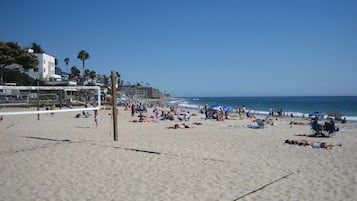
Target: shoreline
{"points": [[352, 119], [185, 104]]}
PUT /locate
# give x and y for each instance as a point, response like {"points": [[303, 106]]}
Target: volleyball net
{"points": [[22, 100]]}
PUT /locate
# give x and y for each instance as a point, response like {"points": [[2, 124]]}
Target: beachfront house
{"points": [[45, 71]]}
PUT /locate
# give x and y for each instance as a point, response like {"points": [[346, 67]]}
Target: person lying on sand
{"points": [[176, 126], [143, 119], [299, 123], [269, 121], [312, 143]]}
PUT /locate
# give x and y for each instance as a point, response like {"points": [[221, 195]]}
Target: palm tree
{"points": [[66, 61], [121, 84], [83, 55], [86, 73], [75, 73], [106, 80], [36, 48], [92, 74], [118, 80]]}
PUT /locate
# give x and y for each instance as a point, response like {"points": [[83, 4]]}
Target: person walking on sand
{"points": [[133, 107], [52, 107], [96, 116], [187, 116], [156, 112], [206, 111]]}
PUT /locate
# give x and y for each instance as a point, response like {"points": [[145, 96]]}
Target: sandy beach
{"points": [[61, 157]]}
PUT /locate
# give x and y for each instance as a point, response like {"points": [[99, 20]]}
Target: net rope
{"points": [[22, 94]]}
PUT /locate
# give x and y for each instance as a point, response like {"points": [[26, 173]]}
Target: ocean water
{"points": [[346, 105]]}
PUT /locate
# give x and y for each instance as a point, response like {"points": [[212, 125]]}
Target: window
{"points": [[35, 70]]}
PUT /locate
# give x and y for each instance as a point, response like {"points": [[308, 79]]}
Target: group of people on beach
{"points": [[158, 114], [185, 115], [220, 115], [85, 114]]}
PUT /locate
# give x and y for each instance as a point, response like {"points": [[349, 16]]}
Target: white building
{"points": [[45, 70]]}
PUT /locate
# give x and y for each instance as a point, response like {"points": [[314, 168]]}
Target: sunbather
{"points": [[176, 126], [299, 123], [304, 142], [144, 119]]}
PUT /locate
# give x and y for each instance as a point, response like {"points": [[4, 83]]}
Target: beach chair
{"points": [[323, 130], [260, 124], [316, 128], [330, 128]]}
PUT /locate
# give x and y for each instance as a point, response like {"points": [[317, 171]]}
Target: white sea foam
{"points": [[350, 118], [188, 106]]}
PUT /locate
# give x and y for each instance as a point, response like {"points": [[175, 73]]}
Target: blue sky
{"points": [[200, 48]]}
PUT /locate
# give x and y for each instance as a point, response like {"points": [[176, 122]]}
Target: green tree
{"points": [[19, 78], [58, 71], [75, 73], [83, 55], [66, 61], [119, 81], [121, 84], [37, 48], [12, 53], [106, 80], [86, 73], [92, 74]]}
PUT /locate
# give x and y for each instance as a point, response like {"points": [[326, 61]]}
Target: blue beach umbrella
{"points": [[120, 101], [227, 108], [215, 107], [318, 115]]}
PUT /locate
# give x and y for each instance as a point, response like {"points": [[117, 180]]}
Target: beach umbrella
{"points": [[337, 115], [215, 107], [317, 115], [120, 101], [227, 108]]}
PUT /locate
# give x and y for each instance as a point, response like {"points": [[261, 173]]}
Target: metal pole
{"points": [[114, 106]]}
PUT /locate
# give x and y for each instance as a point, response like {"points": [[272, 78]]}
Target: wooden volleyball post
{"points": [[114, 106]]}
